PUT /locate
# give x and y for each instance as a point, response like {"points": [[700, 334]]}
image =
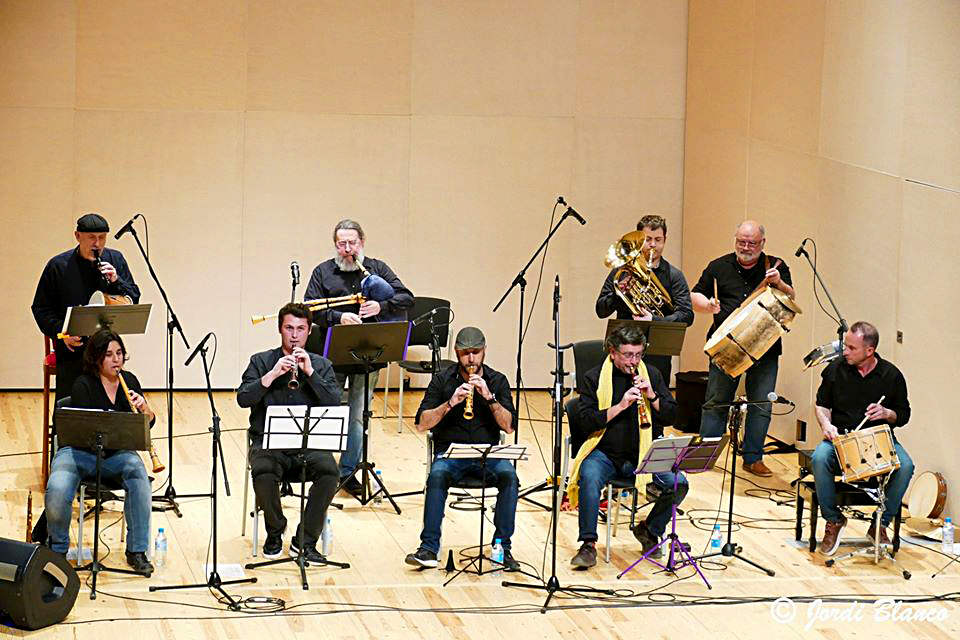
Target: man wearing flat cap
{"points": [[467, 382], [68, 280]]}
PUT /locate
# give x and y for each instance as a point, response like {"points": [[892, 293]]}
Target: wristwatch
{"points": [[492, 400]]}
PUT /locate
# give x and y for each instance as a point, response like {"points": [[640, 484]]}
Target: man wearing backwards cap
{"points": [[68, 280], [442, 411]]}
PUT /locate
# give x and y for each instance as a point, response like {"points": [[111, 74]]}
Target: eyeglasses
{"points": [[748, 243], [631, 355], [343, 244]]}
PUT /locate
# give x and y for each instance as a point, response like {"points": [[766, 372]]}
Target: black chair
{"points": [[433, 332]]}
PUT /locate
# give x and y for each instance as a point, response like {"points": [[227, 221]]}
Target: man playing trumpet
{"points": [[100, 386], [268, 381], [343, 275]]}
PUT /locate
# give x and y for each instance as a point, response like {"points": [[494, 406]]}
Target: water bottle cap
{"points": [[378, 471], [948, 520], [161, 528], [496, 541]]}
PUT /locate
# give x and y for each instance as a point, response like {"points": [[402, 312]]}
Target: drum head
{"points": [[928, 495]]}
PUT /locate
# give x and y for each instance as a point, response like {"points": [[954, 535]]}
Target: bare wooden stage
{"points": [[380, 596]]}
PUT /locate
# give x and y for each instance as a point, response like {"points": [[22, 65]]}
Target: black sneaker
{"points": [[424, 559], [647, 540], [310, 553], [353, 486], [273, 546], [586, 557], [509, 562], [138, 560]]}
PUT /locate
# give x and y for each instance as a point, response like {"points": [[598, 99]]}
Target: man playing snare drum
{"points": [[848, 393]]}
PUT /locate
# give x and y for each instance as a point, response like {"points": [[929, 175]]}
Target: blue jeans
{"points": [[761, 380], [446, 472], [826, 467], [70, 466], [350, 458], [597, 470]]}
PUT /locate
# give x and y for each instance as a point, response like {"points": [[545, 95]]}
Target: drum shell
{"points": [[866, 453]]}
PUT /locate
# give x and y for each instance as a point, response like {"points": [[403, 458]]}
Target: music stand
{"points": [[292, 427], [484, 452], [121, 318], [686, 453], [366, 347], [663, 338], [98, 430]]}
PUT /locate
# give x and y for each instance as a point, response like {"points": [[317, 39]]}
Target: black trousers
{"points": [[270, 468]]}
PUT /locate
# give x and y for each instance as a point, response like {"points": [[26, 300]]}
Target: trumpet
{"points": [[318, 305], [643, 413], [158, 465], [468, 403]]}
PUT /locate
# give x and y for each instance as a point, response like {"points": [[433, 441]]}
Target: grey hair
{"points": [[867, 332], [763, 230], [349, 225]]}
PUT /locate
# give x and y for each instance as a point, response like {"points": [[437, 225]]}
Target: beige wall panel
{"points": [[37, 53], [183, 171], [631, 58], [783, 194], [624, 168], [36, 191], [332, 56], [719, 64], [304, 173], [181, 54], [787, 68], [495, 57], [864, 66], [930, 235], [481, 191], [931, 135], [858, 241]]}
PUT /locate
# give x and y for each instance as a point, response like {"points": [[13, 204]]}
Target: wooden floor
{"points": [[380, 596]]}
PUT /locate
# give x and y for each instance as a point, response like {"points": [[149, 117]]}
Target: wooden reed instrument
{"points": [[158, 465], [468, 404], [644, 415], [29, 536], [319, 304]]}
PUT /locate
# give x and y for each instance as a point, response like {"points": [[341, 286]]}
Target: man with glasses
{"points": [[723, 286], [341, 276], [608, 419], [654, 230]]}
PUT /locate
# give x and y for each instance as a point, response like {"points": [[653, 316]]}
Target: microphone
{"points": [[573, 212], [295, 272], [198, 349], [127, 227], [773, 398], [560, 200], [429, 314], [800, 250]]}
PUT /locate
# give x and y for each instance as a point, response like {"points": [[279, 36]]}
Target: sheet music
{"points": [[458, 451], [328, 427]]}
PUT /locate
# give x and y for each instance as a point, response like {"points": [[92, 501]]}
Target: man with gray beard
{"points": [[342, 276]]}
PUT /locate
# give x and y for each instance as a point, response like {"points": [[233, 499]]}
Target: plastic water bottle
{"points": [[326, 538], [160, 549], [716, 538], [496, 552], [378, 493], [947, 544]]}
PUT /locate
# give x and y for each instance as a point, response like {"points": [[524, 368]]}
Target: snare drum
{"points": [[866, 453]]}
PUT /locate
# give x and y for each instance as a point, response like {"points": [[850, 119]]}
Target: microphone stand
{"points": [[552, 585], [520, 280], [214, 582], [168, 501], [841, 323]]}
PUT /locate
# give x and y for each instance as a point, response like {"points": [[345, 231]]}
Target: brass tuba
{"points": [[634, 280]]}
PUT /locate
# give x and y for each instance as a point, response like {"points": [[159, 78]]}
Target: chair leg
{"points": [[814, 508], [799, 524], [616, 510], [606, 553], [386, 386], [256, 530], [246, 491], [400, 404]]}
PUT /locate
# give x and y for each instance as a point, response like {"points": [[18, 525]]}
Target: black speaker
{"points": [[691, 392], [37, 586]]}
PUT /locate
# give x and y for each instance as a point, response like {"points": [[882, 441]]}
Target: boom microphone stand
{"points": [[841, 323], [552, 585]]}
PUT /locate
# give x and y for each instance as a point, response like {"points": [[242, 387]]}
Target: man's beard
{"points": [[353, 265]]}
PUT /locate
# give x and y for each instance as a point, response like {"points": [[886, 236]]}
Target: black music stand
{"points": [[299, 430], [485, 452], [98, 430], [355, 348], [685, 453], [663, 338]]}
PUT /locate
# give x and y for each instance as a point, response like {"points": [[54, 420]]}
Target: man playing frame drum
{"points": [[848, 396]]}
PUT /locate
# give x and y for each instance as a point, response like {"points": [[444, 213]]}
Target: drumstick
{"points": [[864, 421], [716, 296]]}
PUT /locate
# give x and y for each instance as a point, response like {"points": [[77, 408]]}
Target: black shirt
{"points": [[735, 283], [88, 392], [319, 390], [328, 281], [847, 393], [673, 281], [621, 440], [454, 428]]}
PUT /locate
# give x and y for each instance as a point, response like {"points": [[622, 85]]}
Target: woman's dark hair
{"points": [[97, 348]]}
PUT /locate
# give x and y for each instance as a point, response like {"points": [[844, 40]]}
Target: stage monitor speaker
{"points": [[37, 586], [691, 392]]}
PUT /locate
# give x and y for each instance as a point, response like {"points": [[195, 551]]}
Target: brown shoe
{"points": [[831, 536], [586, 557], [758, 469], [872, 533]]}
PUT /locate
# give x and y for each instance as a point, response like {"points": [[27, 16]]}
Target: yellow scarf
{"points": [[604, 402]]}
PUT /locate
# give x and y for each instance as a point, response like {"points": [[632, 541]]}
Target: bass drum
{"points": [[751, 330]]}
